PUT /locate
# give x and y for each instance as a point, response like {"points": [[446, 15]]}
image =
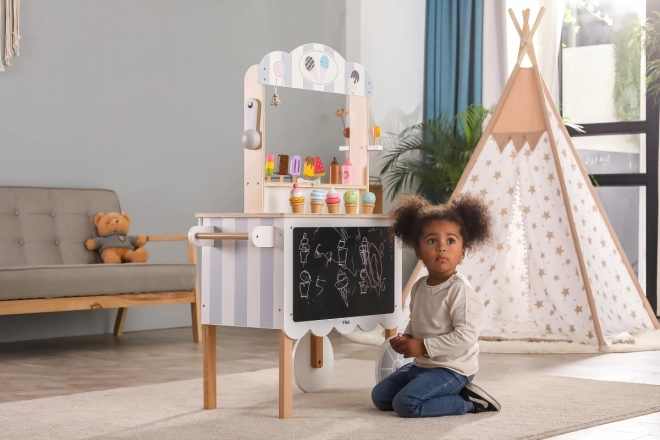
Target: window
{"points": [[602, 75], [602, 88]]}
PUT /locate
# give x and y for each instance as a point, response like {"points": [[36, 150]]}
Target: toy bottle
{"points": [[347, 172], [335, 172]]}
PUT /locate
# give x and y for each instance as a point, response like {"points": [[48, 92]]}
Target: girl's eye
{"points": [[451, 241], [431, 241]]}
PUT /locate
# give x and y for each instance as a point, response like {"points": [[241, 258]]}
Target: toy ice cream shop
{"points": [[307, 255]]}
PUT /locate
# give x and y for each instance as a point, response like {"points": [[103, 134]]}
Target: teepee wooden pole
{"points": [[569, 212], [538, 20], [526, 34], [515, 22], [619, 248]]}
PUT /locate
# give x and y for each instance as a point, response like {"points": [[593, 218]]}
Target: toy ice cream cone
{"points": [[333, 201], [317, 198], [350, 202], [368, 203], [297, 200]]}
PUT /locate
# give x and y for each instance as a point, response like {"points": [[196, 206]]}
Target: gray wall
{"points": [[145, 97]]}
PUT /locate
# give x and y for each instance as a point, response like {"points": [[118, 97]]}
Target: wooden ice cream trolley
{"points": [[303, 274]]}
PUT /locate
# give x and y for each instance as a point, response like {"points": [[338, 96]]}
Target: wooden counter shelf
{"points": [[337, 186]]}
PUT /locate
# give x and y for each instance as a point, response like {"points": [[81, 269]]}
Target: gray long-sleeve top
{"points": [[447, 317]]}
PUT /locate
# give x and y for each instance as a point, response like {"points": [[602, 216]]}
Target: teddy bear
{"points": [[113, 243]]}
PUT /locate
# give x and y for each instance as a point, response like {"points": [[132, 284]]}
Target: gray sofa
{"points": [[45, 267]]}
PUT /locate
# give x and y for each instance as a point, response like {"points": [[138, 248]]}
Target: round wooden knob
{"points": [[347, 132], [251, 139]]}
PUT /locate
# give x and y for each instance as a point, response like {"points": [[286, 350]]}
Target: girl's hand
{"points": [[395, 341], [411, 347]]}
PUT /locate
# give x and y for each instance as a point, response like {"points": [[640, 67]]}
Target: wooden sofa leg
{"points": [[119, 321]]}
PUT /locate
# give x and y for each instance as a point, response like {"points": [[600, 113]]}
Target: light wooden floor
{"points": [[34, 369]]}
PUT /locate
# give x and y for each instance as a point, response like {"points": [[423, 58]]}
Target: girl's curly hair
{"points": [[468, 211]]}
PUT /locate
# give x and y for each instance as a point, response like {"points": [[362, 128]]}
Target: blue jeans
{"points": [[413, 391]]}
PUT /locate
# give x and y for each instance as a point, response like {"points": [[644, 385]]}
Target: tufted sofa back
{"points": [[46, 226]]}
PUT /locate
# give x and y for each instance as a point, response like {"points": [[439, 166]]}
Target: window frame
{"points": [[651, 128]]}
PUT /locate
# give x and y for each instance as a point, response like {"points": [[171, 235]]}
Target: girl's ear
{"points": [[419, 257]]}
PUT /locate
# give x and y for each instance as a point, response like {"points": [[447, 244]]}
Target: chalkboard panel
{"points": [[342, 272]]}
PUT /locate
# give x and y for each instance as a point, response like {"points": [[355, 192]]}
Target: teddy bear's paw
{"points": [[141, 241], [90, 245]]}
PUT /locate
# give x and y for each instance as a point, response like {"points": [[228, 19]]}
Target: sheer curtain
{"points": [[495, 58]]}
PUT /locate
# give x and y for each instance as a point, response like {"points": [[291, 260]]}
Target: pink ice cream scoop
{"points": [[332, 198]]}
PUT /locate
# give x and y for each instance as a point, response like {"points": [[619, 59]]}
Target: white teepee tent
{"points": [[557, 271]]}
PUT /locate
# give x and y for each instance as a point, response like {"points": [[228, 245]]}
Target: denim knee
{"points": [[405, 406], [379, 402]]}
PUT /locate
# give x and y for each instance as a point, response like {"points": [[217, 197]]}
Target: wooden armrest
{"points": [[167, 238]]}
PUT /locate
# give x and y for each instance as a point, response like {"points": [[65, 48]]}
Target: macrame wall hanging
{"points": [[9, 20]]}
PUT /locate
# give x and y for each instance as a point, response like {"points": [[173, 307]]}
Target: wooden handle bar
{"points": [[221, 236]]}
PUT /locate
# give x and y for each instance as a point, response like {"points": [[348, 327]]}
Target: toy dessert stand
{"points": [[303, 274]]}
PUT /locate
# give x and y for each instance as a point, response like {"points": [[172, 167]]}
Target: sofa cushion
{"points": [[57, 281], [43, 226]]}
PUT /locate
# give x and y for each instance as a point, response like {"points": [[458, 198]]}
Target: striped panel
{"points": [[253, 283], [267, 282], [278, 275], [228, 272], [241, 278]]}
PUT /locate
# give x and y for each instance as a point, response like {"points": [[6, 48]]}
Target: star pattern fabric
{"points": [[614, 288], [530, 279]]}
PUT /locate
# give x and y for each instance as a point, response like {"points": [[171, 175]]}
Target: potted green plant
{"points": [[647, 37], [430, 157]]}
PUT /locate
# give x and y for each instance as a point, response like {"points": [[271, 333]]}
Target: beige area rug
{"points": [[649, 340], [533, 407]]}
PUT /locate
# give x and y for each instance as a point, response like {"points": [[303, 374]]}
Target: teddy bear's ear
{"points": [[126, 216], [97, 218]]}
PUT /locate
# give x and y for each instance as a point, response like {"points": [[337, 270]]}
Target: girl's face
{"points": [[441, 249]]}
